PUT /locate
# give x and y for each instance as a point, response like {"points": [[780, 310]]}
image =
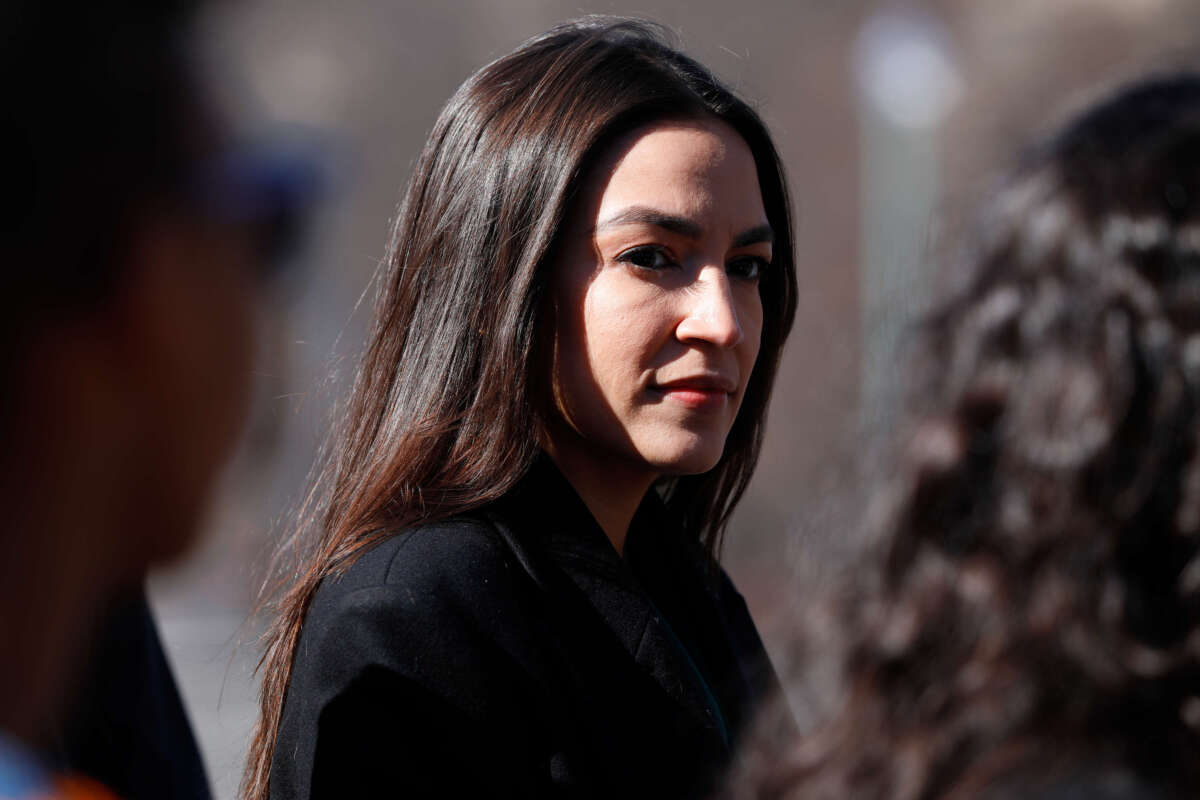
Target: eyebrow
{"points": [[643, 215], [756, 235]]}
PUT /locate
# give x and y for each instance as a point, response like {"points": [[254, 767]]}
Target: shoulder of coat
{"points": [[444, 560]]}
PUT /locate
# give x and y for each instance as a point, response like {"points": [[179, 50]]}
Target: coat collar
{"points": [[554, 536]]}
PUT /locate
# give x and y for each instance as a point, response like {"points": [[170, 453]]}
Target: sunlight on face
{"points": [[657, 307]]}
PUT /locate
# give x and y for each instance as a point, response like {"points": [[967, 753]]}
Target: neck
{"points": [[611, 489]]}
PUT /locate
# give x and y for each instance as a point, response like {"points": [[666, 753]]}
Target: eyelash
{"points": [[757, 265], [631, 255]]}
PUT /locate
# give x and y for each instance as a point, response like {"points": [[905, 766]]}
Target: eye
{"points": [[650, 257], [748, 268]]}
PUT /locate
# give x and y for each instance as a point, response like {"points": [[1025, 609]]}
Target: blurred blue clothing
{"points": [[21, 774]]}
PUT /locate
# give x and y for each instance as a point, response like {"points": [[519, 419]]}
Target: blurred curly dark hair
{"points": [[1032, 620]]}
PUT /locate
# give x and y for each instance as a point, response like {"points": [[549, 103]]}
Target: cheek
{"points": [[624, 330], [750, 314], [232, 356], [196, 397], [213, 358], [219, 342]]}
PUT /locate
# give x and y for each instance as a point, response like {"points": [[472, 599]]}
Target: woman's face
{"points": [[657, 309]]}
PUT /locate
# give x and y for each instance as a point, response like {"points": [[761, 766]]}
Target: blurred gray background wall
{"points": [[891, 118]]}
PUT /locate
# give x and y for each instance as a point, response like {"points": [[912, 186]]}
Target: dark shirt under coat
{"points": [[515, 653]]}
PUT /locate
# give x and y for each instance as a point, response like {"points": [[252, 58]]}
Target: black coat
{"points": [[514, 653]]}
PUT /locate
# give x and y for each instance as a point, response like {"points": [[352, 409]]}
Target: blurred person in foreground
{"points": [[1031, 628], [131, 247]]}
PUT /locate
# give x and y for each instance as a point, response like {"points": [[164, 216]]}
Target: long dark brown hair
{"points": [[448, 402], [1031, 625]]}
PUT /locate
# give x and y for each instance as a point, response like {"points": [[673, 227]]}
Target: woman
{"points": [[514, 588], [1032, 626]]}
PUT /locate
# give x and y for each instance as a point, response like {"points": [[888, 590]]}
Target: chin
{"points": [[694, 459], [168, 541]]}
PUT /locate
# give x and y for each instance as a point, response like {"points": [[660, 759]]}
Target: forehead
{"points": [[689, 167]]}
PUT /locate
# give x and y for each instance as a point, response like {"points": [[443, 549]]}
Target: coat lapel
{"points": [[559, 539], [684, 583]]}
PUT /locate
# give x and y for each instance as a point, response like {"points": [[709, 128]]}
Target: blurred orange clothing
{"points": [[73, 787], [70, 788]]}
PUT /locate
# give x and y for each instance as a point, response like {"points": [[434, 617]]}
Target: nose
{"points": [[710, 314]]}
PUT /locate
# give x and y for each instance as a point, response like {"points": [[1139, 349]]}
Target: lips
{"points": [[702, 392]]}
